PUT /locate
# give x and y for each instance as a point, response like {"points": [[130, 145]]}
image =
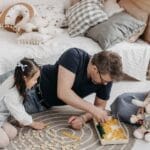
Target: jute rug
{"points": [[53, 137]]}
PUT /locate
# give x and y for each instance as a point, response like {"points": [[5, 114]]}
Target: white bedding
{"points": [[135, 56], [11, 52]]}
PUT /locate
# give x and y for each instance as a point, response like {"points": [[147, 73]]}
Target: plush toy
{"points": [[21, 17], [16, 13], [144, 130], [35, 24]]}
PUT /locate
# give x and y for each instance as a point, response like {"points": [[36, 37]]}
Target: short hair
{"points": [[108, 62]]}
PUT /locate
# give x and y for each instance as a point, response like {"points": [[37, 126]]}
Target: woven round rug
{"points": [[59, 136]]}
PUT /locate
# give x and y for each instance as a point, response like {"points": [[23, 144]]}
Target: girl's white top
{"points": [[11, 103]]}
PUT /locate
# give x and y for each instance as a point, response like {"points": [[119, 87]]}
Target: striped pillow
{"points": [[84, 15]]}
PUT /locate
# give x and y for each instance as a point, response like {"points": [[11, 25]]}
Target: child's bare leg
{"points": [[10, 130], [4, 139]]}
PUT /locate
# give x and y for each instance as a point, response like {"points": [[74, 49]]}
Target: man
{"points": [[77, 74]]}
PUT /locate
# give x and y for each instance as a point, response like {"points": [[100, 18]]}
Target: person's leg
{"points": [[123, 107], [4, 139], [10, 130]]}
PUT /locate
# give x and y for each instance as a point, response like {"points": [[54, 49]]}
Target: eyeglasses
{"points": [[103, 81]]}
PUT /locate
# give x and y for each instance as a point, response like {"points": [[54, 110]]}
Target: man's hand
{"points": [[76, 122], [99, 114], [38, 125]]}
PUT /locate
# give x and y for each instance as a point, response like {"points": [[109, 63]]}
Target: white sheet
{"points": [[135, 56], [11, 52]]}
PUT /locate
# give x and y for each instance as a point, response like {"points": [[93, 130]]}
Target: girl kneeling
{"points": [[12, 94]]}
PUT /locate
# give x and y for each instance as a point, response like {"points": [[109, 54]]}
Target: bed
{"points": [[135, 56]]}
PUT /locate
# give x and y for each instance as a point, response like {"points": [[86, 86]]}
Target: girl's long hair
{"points": [[25, 68]]}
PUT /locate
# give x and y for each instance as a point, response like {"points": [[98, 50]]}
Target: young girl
{"points": [[12, 93]]}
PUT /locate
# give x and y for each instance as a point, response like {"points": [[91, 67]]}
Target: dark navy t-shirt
{"points": [[76, 61]]}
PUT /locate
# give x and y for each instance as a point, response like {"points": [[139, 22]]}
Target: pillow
{"points": [[69, 3], [83, 15], [51, 10], [111, 7], [16, 14], [33, 38], [119, 27]]}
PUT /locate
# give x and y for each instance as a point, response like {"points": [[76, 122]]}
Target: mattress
{"points": [[135, 56]]}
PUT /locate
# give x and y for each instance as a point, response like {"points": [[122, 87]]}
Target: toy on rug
{"points": [[142, 132], [46, 139], [112, 132], [70, 135]]}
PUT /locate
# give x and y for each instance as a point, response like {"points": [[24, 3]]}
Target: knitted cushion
{"points": [[83, 15]]}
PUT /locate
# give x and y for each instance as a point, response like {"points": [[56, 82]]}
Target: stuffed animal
{"points": [[35, 24], [21, 17], [144, 130], [16, 13]]}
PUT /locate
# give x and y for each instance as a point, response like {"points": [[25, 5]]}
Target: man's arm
{"points": [[77, 122], [64, 92], [99, 103]]}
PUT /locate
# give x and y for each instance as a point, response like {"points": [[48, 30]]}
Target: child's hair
{"points": [[25, 68]]}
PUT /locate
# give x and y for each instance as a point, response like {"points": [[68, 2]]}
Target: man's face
{"points": [[98, 78]]}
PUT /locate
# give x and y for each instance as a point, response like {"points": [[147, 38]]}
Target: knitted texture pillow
{"points": [[84, 15]]}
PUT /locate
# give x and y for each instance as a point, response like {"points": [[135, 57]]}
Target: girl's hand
{"points": [[38, 125], [76, 122]]}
